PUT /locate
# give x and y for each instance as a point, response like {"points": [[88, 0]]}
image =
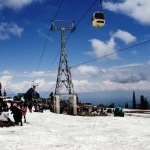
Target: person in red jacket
{"points": [[24, 111]]}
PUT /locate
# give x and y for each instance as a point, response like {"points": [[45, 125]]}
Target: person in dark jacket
{"points": [[17, 114], [30, 105], [5, 106], [1, 104]]}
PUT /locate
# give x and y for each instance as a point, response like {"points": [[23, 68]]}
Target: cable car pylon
{"points": [[64, 73]]}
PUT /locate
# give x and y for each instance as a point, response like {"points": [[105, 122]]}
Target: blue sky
{"points": [[25, 24]]}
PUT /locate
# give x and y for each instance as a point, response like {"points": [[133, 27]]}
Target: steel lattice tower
{"points": [[64, 73]]}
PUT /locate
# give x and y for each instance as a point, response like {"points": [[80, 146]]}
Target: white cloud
{"points": [[137, 9], [129, 66], [16, 4], [102, 49], [85, 79], [43, 73], [124, 36], [124, 77], [130, 73], [14, 29], [18, 87], [44, 86], [107, 49], [82, 86], [4, 36], [6, 72], [128, 78], [7, 29], [25, 74], [22, 87], [5, 80], [88, 71], [148, 62], [37, 74], [142, 85]]}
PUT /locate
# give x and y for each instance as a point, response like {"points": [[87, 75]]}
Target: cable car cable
{"points": [[102, 57], [99, 57], [48, 91], [51, 64], [101, 4], [47, 40], [58, 9], [86, 13], [98, 18], [111, 53], [71, 32], [83, 17], [42, 55]]}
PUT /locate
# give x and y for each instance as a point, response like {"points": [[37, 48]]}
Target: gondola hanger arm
{"points": [[101, 5]]}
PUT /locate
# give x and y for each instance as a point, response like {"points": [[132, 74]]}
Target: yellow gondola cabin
{"points": [[98, 19]]}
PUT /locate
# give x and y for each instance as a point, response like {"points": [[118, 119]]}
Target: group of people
{"points": [[17, 111], [37, 106], [93, 111]]}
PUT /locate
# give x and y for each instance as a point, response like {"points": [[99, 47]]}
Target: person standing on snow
{"points": [[17, 114], [30, 105], [1, 104], [24, 111]]}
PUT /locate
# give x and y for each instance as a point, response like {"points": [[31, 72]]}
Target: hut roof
{"points": [[31, 91]]}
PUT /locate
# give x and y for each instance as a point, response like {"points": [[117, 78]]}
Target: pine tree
{"points": [[142, 99], [134, 101], [126, 105], [5, 94], [112, 105], [145, 103], [51, 96]]}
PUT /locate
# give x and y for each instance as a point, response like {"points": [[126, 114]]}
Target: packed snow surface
{"points": [[50, 131]]}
